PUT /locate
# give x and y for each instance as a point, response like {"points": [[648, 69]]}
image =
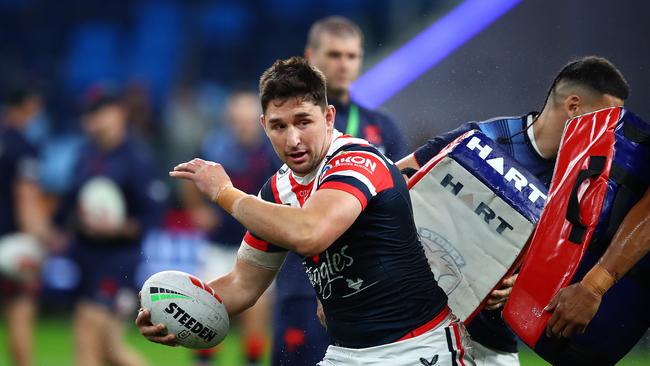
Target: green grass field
{"points": [[54, 348]]}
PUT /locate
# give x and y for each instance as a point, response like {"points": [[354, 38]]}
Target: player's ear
{"points": [[309, 53], [330, 115], [572, 105], [263, 122]]}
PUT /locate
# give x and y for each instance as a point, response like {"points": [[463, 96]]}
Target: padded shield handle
{"points": [[578, 229]]}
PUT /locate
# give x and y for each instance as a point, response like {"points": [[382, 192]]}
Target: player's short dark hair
{"points": [[293, 78], [594, 73], [99, 96], [335, 25]]}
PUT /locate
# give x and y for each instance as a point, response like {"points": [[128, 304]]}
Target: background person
{"points": [[107, 251]]}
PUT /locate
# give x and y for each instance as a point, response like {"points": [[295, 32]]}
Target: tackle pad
{"points": [[475, 208], [600, 173]]}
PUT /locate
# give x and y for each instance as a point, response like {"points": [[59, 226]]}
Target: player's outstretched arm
{"points": [[308, 230], [574, 306]]}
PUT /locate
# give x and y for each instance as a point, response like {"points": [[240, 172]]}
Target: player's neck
{"points": [[548, 132]]}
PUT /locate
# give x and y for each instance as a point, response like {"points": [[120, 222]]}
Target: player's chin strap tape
{"points": [[578, 229]]}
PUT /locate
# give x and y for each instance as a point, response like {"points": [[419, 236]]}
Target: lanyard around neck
{"points": [[353, 121]]}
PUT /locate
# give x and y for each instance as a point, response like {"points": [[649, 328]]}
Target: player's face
{"points": [[242, 114], [106, 125], [300, 132], [339, 58]]}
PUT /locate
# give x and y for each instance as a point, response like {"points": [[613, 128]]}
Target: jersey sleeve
{"points": [[267, 193], [432, 147], [362, 173]]}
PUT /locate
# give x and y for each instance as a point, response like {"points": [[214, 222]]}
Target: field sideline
{"points": [[54, 348]]}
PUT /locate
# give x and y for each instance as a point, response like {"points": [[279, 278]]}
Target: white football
{"points": [[20, 256], [102, 202], [189, 308]]}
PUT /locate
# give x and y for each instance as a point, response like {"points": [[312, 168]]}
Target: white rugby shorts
{"points": [[445, 345]]}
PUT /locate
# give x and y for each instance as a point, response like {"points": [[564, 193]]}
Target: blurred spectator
{"points": [[21, 213], [187, 121], [116, 196], [140, 110], [242, 149], [335, 47]]}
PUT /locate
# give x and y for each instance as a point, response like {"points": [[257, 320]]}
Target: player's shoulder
{"points": [[346, 144], [507, 120], [354, 154]]}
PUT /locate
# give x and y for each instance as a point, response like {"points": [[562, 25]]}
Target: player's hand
{"points": [[155, 333], [321, 314], [499, 297], [210, 178], [573, 307]]}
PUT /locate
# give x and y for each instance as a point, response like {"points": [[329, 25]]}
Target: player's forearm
{"points": [[242, 287], [292, 228], [408, 161], [31, 212], [631, 241]]}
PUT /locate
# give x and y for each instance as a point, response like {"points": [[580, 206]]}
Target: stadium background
{"points": [[171, 55]]}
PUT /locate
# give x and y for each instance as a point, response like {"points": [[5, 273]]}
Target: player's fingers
{"points": [[494, 306], [168, 340], [559, 327], [181, 175], [551, 323], [568, 330], [501, 294], [581, 329], [553, 304], [143, 318], [510, 281], [186, 167], [158, 330]]}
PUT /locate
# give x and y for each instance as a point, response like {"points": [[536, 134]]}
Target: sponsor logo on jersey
{"points": [[328, 270], [359, 161], [510, 174], [189, 322]]}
